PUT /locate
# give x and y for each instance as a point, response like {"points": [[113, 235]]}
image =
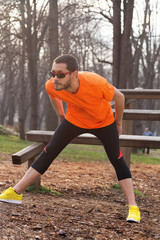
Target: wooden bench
{"points": [[127, 140], [89, 139], [29, 154], [131, 114], [42, 138]]}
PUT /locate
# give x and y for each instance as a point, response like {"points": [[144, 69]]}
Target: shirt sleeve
{"points": [[108, 91], [50, 88]]}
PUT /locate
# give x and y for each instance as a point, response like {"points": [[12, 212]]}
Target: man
{"points": [[147, 133], [88, 96]]}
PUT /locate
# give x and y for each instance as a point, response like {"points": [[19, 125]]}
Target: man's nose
{"points": [[56, 78]]}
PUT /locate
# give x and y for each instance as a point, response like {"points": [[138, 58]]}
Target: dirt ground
{"points": [[89, 207]]}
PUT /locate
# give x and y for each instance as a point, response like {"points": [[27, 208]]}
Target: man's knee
{"points": [[121, 169]]}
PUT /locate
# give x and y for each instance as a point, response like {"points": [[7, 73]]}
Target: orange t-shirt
{"points": [[90, 107]]}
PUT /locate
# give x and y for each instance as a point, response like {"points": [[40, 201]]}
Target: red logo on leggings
{"points": [[45, 150], [120, 155]]}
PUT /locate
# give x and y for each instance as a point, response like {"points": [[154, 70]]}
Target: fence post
{"points": [[37, 182], [127, 130]]}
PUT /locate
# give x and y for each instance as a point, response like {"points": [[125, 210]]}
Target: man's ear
{"points": [[75, 73]]}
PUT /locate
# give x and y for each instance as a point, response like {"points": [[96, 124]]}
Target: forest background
{"points": [[119, 40]]}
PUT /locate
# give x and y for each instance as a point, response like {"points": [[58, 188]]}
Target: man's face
{"points": [[61, 83]]}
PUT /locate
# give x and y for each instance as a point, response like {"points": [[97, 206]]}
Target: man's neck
{"points": [[74, 86]]}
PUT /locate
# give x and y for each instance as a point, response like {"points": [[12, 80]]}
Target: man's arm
{"points": [[119, 108], [58, 107]]}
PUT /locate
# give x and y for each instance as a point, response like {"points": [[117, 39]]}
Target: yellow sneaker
{"points": [[134, 214], [10, 196]]}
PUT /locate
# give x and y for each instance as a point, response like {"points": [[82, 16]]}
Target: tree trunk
{"points": [[11, 98], [121, 43], [138, 45], [22, 107], [22, 96], [51, 117], [31, 43], [3, 105], [116, 41], [125, 44]]}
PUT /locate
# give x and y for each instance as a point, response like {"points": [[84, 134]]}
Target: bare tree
{"points": [[34, 29], [51, 119], [116, 41], [8, 69], [121, 41], [39, 32], [22, 95]]}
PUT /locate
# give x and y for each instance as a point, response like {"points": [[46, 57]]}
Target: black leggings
{"points": [[66, 132]]}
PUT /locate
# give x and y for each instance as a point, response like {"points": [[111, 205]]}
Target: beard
{"points": [[58, 86], [62, 86]]}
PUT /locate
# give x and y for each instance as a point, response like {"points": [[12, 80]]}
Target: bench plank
{"points": [[139, 114], [39, 136], [139, 141], [141, 93], [125, 140], [27, 153]]}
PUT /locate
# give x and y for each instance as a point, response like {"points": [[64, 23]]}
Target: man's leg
{"points": [[110, 139], [63, 135], [30, 176], [127, 187]]}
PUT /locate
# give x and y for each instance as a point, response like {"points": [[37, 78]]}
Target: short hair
{"points": [[70, 61]]}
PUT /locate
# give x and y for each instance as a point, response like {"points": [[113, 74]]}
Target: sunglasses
{"points": [[59, 75]]}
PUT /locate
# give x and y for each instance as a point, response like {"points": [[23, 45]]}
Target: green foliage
{"points": [[12, 144], [152, 158], [43, 190], [118, 188], [139, 193], [115, 186], [83, 153]]}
